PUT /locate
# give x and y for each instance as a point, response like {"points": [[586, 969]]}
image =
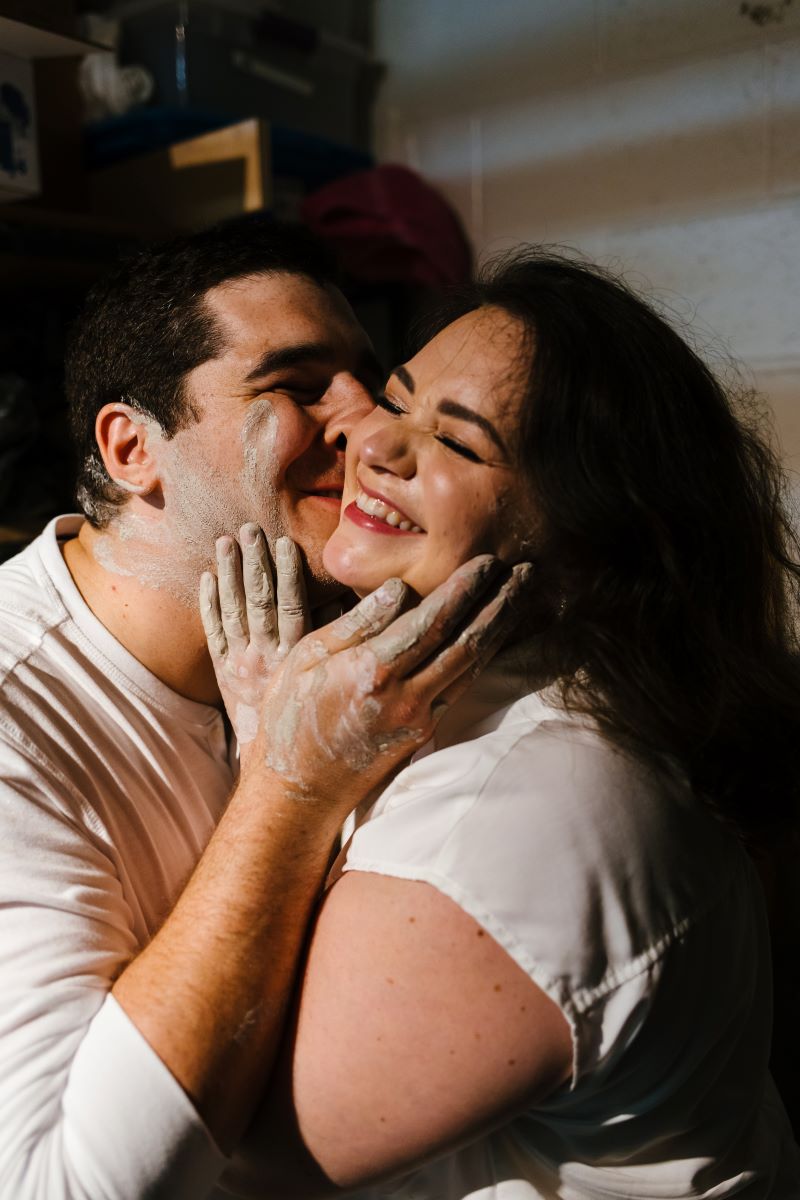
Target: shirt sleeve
{"points": [[87, 1109], [563, 850]]}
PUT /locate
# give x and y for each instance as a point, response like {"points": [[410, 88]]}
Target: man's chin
{"points": [[322, 588]]}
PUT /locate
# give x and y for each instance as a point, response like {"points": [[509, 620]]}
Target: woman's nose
{"points": [[389, 448]]}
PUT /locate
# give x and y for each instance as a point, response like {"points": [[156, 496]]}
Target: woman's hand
{"points": [[251, 624], [352, 701]]}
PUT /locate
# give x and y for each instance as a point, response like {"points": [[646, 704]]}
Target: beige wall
{"points": [[661, 137]]}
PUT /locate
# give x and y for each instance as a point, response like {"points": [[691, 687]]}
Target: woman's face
{"points": [[431, 476]]}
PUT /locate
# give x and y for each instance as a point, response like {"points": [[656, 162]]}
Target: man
{"points": [[212, 384]]}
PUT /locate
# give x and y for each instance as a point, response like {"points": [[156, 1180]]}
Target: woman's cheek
{"points": [[339, 557]]}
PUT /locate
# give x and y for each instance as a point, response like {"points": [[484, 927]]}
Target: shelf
{"points": [[31, 41], [52, 250]]}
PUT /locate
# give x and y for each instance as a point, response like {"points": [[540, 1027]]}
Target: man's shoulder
{"points": [[30, 605], [50, 674]]}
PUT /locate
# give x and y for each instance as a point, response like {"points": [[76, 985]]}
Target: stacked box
{"points": [[244, 61]]}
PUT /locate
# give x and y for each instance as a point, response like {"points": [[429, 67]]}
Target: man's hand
{"points": [[341, 708], [248, 627]]}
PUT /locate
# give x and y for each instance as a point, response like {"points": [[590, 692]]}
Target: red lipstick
{"points": [[373, 524]]}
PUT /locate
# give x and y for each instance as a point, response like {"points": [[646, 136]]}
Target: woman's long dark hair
{"points": [[667, 553]]}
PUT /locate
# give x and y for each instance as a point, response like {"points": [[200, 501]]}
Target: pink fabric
{"points": [[388, 224]]}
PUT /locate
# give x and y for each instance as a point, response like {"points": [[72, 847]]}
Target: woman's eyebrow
{"points": [[406, 378], [451, 408]]}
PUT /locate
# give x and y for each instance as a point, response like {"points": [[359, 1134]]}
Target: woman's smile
{"points": [[383, 516]]}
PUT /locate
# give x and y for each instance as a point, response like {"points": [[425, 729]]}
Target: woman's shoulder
{"points": [[534, 768], [547, 834]]}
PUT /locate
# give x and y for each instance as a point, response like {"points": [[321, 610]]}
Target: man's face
{"points": [[274, 408]]}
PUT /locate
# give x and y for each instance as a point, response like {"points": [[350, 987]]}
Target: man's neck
{"points": [[160, 630]]}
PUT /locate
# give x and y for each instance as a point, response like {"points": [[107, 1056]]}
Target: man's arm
{"points": [[348, 705], [99, 1092], [87, 1110]]}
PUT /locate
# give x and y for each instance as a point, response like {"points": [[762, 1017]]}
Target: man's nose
{"points": [[349, 402]]}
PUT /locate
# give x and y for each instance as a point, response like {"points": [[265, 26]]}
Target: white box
{"points": [[19, 158]]}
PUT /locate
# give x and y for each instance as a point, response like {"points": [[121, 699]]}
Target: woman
{"points": [[542, 967]]}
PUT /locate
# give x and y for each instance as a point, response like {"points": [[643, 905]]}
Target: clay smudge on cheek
{"points": [[259, 434], [259, 437]]}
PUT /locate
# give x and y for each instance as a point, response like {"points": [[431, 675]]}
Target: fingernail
{"points": [[248, 534], [523, 573], [284, 551], [488, 567], [390, 591], [225, 545]]}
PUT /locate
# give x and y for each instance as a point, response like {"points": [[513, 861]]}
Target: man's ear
{"points": [[124, 440]]}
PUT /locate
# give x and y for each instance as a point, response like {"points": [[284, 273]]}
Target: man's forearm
{"points": [[209, 992]]}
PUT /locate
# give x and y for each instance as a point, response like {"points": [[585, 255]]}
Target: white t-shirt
{"points": [[111, 785], [638, 914]]}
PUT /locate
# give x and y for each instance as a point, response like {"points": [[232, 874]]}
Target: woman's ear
{"points": [[124, 440]]}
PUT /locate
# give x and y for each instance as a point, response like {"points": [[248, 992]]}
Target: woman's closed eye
{"points": [[458, 447], [383, 401], [391, 406]]}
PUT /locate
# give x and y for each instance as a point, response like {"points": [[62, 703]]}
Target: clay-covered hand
{"points": [[353, 700], [251, 623]]}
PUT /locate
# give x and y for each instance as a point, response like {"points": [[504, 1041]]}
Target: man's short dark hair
{"points": [[145, 326]]}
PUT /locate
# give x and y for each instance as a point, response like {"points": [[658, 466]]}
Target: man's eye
{"points": [[464, 451], [383, 401], [300, 393]]}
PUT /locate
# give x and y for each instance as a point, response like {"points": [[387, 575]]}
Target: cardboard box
{"points": [[190, 184]]}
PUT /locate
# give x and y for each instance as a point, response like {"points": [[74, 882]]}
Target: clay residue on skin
{"points": [[280, 755], [355, 740], [370, 615], [168, 549], [259, 433], [246, 723]]}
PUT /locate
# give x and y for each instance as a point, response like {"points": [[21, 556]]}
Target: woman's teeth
{"points": [[376, 508]]}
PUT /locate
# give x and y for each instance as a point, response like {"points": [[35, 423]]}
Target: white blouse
{"points": [[638, 914]]}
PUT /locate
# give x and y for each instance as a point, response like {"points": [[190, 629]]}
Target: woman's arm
{"points": [[415, 1032]]}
